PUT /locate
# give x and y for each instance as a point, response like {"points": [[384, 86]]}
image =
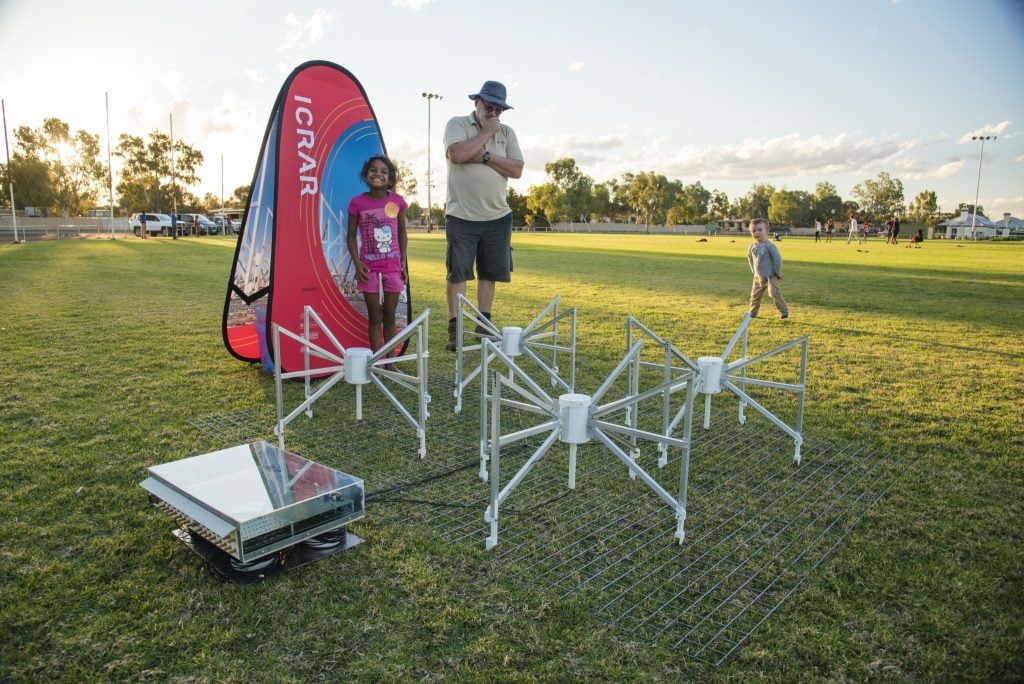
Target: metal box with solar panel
{"points": [[255, 502]]}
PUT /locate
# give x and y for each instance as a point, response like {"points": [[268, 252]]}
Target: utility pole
{"points": [[10, 176], [174, 186], [110, 168]]}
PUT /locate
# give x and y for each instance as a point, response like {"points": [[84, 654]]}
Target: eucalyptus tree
{"points": [[791, 207], [924, 207], [827, 202], [152, 178], [75, 176], [879, 198]]}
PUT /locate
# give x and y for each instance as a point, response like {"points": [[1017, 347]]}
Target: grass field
{"points": [[109, 347]]}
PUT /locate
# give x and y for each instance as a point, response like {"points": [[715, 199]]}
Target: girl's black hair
{"points": [[392, 170]]}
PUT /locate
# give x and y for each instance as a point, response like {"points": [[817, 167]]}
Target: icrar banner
{"points": [[292, 251]]}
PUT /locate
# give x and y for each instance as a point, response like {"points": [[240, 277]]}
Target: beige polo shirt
{"points": [[476, 192]]}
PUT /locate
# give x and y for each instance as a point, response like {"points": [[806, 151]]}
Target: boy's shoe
{"points": [[452, 329], [784, 314]]}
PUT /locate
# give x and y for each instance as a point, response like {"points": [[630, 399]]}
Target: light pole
{"points": [[174, 185], [430, 215], [974, 214]]}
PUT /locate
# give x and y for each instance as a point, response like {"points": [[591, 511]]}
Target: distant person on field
{"points": [[817, 230], [380, 257], [765, 263], [854, 233], [917, 239], [482, 155], [144, 233], [895, 229], [829, 227]]}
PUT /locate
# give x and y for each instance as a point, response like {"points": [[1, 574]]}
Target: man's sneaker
{"points": [[450, 345], [784, 314]]}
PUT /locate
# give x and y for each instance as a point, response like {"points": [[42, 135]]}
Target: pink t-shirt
{"points": [[377, 225]]}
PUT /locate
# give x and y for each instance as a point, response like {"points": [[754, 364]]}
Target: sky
{"points": [[725, 92]]}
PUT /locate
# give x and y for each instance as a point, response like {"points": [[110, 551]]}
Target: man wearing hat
{"points": [[482, 155]]}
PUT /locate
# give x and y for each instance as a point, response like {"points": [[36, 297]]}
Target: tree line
{"points": [[61, 170], [650, 197]]}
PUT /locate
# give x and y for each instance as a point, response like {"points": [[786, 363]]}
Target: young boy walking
{"points": [[766, 264]]}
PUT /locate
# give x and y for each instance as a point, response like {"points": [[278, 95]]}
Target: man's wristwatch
{"points": [[487, 156]]}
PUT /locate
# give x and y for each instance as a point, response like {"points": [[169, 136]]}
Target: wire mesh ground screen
{"points": [[757, 525]]}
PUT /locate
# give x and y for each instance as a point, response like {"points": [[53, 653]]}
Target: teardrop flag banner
{"points": [[292, 250]]}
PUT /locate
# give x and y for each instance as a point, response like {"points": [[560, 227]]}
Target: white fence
{"points": [[55, 227]]}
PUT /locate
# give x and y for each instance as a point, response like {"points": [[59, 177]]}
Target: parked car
{"points": [[197, 224], [227, 225], [156, 224]]}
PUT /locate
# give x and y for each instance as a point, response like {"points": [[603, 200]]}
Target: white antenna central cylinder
{"points": [[356, 365], [574, 411], [510, 341], [710, 368]]}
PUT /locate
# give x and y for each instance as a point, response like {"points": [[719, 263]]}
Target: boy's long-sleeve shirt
{"points": [[764, 259]]}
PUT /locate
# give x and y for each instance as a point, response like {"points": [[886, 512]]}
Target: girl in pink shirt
{"points": [[378, 218]]}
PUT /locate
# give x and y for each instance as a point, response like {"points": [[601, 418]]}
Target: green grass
{"points": [[109, 346]]}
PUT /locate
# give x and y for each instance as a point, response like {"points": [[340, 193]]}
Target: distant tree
{"points": [[689, 204], [880, 198], [71, 159], [969, 208], [437, 215], [415, 212], [545, 199], [616, 207], [827, 202], [209, 203], [718, 206], [153, 178], [791, 207], [650, 195], [575, 200], [849, 208], [601, 201], [756, 202], [517, 203], [924, 207], [406, 186], [33, 186], [239, 196]]}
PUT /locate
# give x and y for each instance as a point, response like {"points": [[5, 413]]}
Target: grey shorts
{"points": [[487, 243]]}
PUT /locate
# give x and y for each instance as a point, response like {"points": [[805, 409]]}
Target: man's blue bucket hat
{"points": [[493, 92]]}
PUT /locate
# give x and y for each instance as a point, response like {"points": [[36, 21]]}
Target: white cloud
{"points": [[995, 208], [916, 169], [608, 156], [788, 155], [411, 4], [576, 66], [987, 129], [1019, 159], [255, 75], [304, 34]]}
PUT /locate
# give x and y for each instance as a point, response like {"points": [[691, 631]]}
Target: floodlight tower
{"points": [[974, 214], [430, 216]]}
